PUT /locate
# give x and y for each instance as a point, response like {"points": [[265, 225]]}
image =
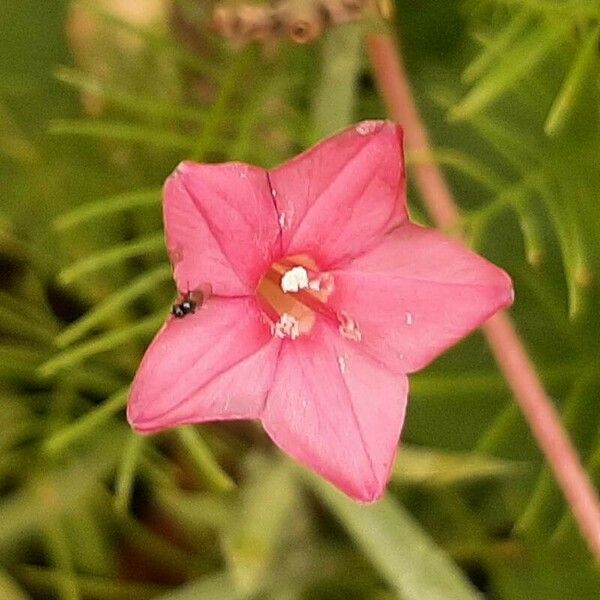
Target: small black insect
{"points": [[187, 306]]}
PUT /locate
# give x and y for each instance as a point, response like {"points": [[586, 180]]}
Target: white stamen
{"points": [[287, 326], [294, 280], [368, 127], [408, 318], [342, 364]]}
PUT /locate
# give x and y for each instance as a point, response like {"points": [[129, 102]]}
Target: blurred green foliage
{"points": [[510, 92]]}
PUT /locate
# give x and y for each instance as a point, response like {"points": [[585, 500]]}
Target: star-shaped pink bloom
{"points": [[324, 296]]}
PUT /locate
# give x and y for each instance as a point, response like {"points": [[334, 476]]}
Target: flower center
{"points": [[292, 293]]}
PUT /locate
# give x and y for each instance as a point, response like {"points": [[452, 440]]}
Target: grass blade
{"points": [[584, 70], [152, 243], [102, 343], [107, 206], [400, 550], [147, 282], [124, 132]]}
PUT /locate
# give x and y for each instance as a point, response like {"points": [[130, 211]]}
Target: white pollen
{"points": [[368, 127], [342, 364], [282, 220], [408, 318], [287, 326], [294, 280]]}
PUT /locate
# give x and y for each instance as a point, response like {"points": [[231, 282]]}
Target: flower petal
{"points": [[416, 294], [338, 198], [337, 411], [213, 365], [221, 226]]}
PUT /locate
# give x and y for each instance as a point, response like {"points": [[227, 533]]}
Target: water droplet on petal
{"points": [[408, 318]]}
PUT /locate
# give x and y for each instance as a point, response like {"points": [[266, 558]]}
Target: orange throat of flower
{"points": [[292, 293]]}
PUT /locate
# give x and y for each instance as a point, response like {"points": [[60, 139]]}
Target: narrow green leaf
{"points": [[107, 206], [144, 107], [462, 163], [398, 548], [258, 522], [572, 9], [194, 512], [123, 132], [144, 284], [219, 112], [59, 553], [102, 343], [203, 460], [516, 63], [87, 424], [426, 466], [107, 258], [497, 47], [546, 502], [583, 72], [16, 323], [531, 228], [126, 473]]}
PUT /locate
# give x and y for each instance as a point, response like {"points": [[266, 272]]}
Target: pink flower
{"points": [[324, 296]]}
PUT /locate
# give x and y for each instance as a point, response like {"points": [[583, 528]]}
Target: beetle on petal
{"points": [[324, 296]]}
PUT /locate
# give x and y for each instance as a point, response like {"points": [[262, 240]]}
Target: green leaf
{"points": [[583, 72], [87, 424], [496, 49], [516, 64], [258, 522], [123, 132], [102, 343], [147, 108], [438, 468], [107, 206], [144, 284], [203, 459], [399, 549], [126, 473], [117, 254]]}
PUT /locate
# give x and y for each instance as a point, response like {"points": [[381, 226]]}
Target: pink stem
{"points": [[500, 333]]}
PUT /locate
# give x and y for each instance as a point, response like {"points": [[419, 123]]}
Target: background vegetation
{"points": [[97, 106]]}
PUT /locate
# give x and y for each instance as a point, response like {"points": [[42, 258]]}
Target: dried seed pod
{"points": [[226, 21], [302, 21], [255, 21]]}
